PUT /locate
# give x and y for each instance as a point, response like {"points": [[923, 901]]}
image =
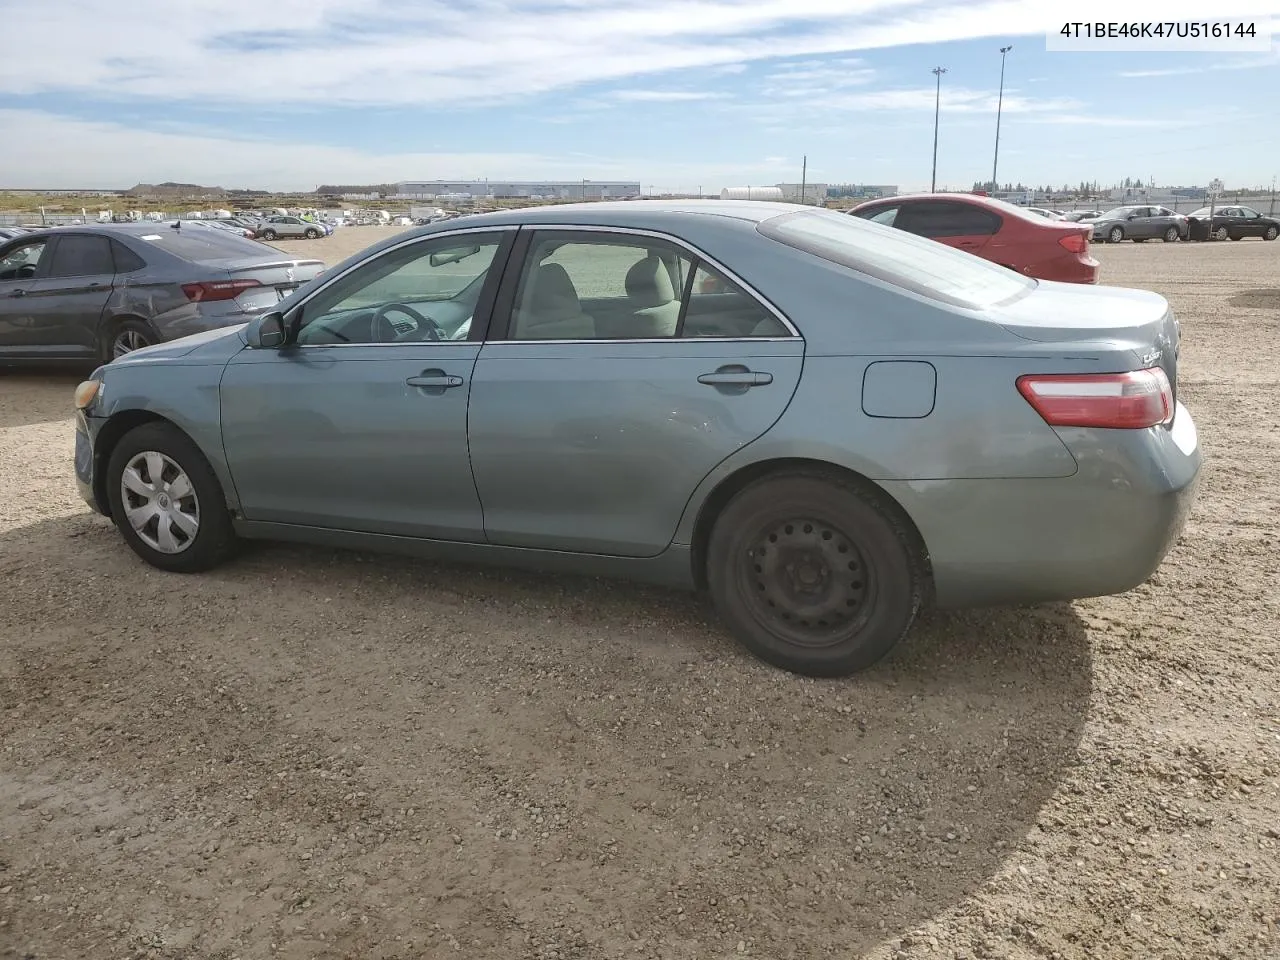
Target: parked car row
{"points": [[641, 390], [1044, 245]]}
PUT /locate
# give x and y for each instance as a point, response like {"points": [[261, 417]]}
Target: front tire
{"points": [[268, 234], [1171, 235], [814, 574], [313, 234], [1271, 233], [166, 500], [1115, 235]]}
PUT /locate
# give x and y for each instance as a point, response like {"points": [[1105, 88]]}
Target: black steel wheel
{"points": [[818, 575]]}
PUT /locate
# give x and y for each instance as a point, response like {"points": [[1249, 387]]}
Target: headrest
{"points": [[649, 282], [553, 292]]}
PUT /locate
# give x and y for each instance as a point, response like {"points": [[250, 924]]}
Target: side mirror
{"points": [[267, 331]]}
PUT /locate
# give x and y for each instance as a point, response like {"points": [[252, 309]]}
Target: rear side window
{"points": [[200, 244], [126, 260], [81, 256], [944, 219], [923, 266]]}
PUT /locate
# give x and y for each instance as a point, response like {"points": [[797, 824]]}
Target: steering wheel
{"points": [[385, 332]]}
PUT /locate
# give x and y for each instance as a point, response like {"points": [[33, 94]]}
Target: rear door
{"points": [[65, 305], [621, 369], [957, 224]]}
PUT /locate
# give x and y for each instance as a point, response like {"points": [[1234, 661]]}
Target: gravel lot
{"points": [[313, 754]]}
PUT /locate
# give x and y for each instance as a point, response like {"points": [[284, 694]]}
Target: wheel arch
{"points": [[111, 433], [724, 491]]}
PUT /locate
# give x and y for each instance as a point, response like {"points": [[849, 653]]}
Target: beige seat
{"points": [[655, 310], [551, 309]]}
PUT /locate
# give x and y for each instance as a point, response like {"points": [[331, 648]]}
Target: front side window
{"points": [[1249, 213], [424, 291], [22, 262], [621, 287], [914, 263]]}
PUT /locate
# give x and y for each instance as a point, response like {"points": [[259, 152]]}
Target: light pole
{"points": [[937, 107], [1004, 51]]}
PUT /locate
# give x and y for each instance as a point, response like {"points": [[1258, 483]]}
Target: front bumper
{"points": [[1102, 531], [85, 462]]}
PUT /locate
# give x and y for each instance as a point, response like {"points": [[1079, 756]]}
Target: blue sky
{"points": [[678, 94]]}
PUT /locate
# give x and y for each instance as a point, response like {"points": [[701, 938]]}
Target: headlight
{"points": [[87, 392]]}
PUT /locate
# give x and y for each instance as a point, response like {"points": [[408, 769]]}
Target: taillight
{"points": [[1075, 242], [1132, 400], [217, 289]]}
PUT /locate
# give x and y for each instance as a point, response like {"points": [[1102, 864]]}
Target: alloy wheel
{"points": [[128, 340], [160, 502]]}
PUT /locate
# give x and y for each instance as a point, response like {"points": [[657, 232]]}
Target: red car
{"points": [[994, 230]]}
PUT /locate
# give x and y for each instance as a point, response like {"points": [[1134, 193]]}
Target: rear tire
{"points": [[1115, 234], [176, 516], [1220, 233], [1171, 235], [814, 573], [122, 337]]}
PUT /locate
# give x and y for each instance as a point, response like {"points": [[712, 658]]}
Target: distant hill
{"points": [[171, 189]]}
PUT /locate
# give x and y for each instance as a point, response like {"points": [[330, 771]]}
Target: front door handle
{"points": [[726, 377], [435, 378]]}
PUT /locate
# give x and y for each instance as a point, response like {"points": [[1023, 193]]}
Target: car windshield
{"points": [[1119, 213], [914, 263]]}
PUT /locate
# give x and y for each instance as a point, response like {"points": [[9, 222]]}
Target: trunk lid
{"points": [[1077, 315], [279, 278]]}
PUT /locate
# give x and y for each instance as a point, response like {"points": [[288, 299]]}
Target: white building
{"points": [[517, 189]]}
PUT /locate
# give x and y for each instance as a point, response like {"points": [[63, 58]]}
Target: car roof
{"points": [[624, 213]]}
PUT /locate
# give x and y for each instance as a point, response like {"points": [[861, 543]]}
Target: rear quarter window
{"points": [[922, 266]]}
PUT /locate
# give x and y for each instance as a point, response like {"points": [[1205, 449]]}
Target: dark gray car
{"points": [[1139, 223], [96, 292]]}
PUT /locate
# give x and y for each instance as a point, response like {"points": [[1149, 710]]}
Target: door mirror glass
{"points": [[267, 332]]}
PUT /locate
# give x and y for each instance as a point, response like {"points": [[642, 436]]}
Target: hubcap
{"points": [[809, 580], [160, 502], [127, 341]]}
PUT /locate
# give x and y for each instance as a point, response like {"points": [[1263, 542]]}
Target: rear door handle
{"points": [[434, 378], [736, 378]]}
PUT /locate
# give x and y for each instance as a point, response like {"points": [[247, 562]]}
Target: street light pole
{"points": [[937, 107], [1004, 51]]}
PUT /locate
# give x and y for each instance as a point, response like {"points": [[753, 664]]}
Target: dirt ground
{"points": [[315, 754]]}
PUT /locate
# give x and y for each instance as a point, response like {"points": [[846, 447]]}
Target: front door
{"points": [[362, 423], [628, 369], [20, 264]]}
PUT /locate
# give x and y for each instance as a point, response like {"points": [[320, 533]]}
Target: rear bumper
{"points": [[1103, 531], [1066, 270]]}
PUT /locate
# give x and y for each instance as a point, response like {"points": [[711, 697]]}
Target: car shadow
{"points": [[38, 394], [830, 816]]}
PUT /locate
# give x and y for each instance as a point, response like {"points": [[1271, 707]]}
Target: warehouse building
{"points": [[517, 190]]}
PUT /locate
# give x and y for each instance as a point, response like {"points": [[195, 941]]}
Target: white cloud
{"points": [[446, 52], [1250, 64], [45, 150], [664, 96]]}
